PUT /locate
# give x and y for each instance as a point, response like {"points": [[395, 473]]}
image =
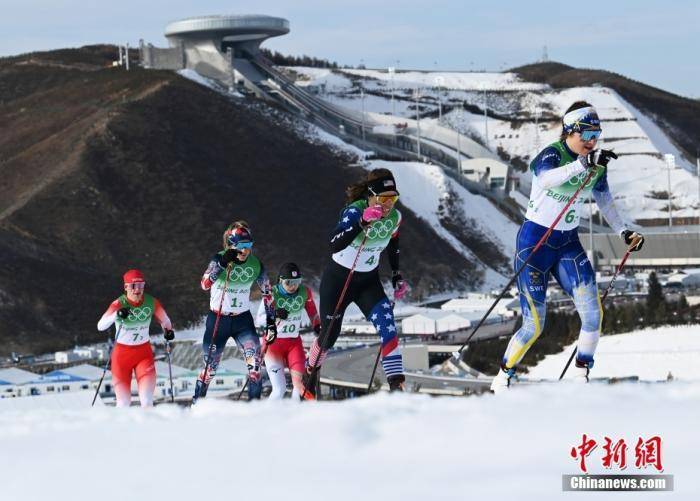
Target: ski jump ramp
{"points": [[210, 43]]}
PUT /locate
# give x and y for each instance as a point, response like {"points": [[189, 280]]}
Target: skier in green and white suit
{"points": [[558, 171], [229, 278]]}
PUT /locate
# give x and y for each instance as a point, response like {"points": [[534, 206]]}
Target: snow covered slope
{"points": [[383, 447], [650, 354], [638, 179], [427, 191]]}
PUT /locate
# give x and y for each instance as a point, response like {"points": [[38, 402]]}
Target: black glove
{"points": [[630, 237], [395, 279], [230, 256], [317, 329], [169, 334], [123, 313], [270, 330], [600, 157], [281, 313]]}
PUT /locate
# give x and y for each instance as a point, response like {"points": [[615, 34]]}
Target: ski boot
{"points": [[200, 390], [310, 382], [581, 370], [396, 382], [501, 381]]}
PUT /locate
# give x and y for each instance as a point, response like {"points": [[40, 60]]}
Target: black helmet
{"points": [[289, 271]]}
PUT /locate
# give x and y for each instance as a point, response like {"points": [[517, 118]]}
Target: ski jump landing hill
{"points": [[227, 49]]}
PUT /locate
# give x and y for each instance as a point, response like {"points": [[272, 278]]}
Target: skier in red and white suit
{"points": [[291, 300], [132, 312]]}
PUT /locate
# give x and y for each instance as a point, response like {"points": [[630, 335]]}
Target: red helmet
{"points": [[133, 276]]}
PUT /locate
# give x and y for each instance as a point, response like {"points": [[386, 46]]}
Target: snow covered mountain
{"points": [[522, 118]]}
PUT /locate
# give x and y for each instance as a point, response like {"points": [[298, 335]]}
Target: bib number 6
{"points": [[570, 216]]}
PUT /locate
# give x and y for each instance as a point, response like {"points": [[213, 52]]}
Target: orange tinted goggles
{"points": [[382, 199]]}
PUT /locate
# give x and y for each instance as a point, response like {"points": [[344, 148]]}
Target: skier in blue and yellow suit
{"points": [[557, 172]]}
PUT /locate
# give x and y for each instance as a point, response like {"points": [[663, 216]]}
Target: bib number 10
{"points": [[289, 328]]}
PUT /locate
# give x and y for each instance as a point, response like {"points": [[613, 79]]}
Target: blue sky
{"points": [[648, 40]]}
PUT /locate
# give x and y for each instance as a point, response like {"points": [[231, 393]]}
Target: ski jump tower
{"points": [[215, 46]]}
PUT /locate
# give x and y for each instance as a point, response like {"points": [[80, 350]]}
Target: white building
{"points": [[478, 303], [12, 381], [434, 322], [688, 278], [452, 322]]}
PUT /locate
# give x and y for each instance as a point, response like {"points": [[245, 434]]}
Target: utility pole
{"points": [[459, 152], [439, 83], [362, 98], [391, 71], [537, 128], [670, 164], [416, 95], [486, 119], [126, 55]]}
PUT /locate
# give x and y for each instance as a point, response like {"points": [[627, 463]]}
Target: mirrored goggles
{"points": [[291, 282], [590, 135], [136, 285], [241, 245]]}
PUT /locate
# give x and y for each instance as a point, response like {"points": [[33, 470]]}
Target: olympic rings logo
{"points": [[242, 274], [380, 229], [290, 304], [139, 314], [580, 178]]}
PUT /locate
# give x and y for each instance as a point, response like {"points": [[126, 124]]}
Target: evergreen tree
{"points": [[655, 296]]}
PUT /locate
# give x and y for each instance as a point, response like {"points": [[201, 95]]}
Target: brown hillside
{"points": [[103, 169], [680, 116]]}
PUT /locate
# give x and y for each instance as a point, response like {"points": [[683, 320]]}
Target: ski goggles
{"points": [[382, 199], [291, 282], [590, 135], [136, 285], [241, 245]]}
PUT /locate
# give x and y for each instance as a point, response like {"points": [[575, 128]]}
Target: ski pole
{"points": [[104, 370], [324, 336], [247, 379], [602, 300], [539, 244], [374, 370], [170, 371], [213, 334]]}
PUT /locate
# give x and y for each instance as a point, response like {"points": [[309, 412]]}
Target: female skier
{"points": [[291, 299], [132, 312], [557, 172], [368, 225], [229, 278]]}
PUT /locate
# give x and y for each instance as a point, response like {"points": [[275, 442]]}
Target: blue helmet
{"points": [[238, 236]]}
